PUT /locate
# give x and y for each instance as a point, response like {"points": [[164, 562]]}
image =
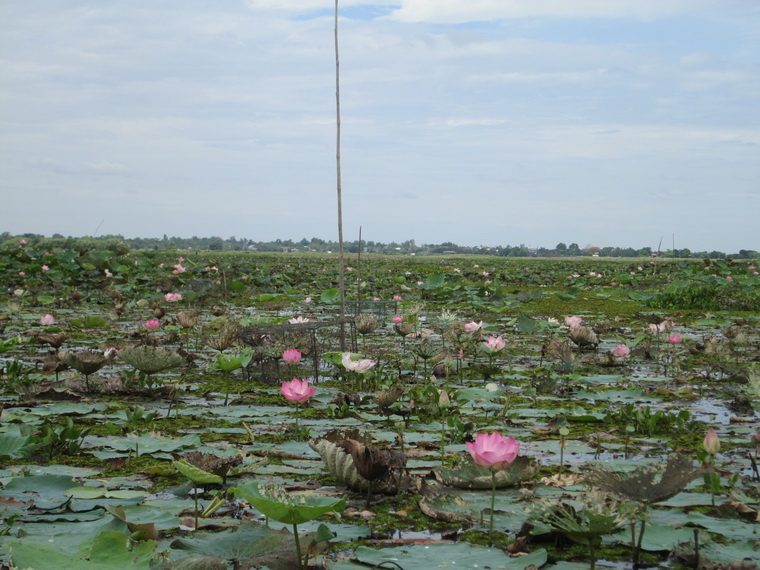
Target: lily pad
{"points": [[459, 555], [468, 475], [108, 550]]}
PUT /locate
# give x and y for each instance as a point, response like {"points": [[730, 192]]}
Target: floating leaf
{"points": [[250, 546], [468, 475]]}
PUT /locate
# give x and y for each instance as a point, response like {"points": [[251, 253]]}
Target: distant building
{"points": [[251, 247]]}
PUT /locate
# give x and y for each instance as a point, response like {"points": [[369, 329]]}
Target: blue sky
{"points": [[482, 122]]}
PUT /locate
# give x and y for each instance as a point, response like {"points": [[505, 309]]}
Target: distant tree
{"points": [[561, 247]]}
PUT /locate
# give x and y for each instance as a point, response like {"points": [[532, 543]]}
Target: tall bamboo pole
{"points": [[342, 281]]}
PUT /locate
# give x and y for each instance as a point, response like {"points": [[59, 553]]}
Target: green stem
{"points": [[443, 439], [641, 534], [493, 506], [298, 545], [195, 496], [633, 544]]}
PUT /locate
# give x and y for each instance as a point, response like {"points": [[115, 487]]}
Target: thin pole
{"points": [[342, 265]]}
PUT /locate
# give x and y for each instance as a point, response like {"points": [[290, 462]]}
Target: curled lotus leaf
{"points": [[584, 337], [151, 359], [468, 475], [87, 362], [340, 464], [196, 474]]}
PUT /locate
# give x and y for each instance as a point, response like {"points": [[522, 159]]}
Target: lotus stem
{"points": [[195, 496], [493, 506], [298, 546]]}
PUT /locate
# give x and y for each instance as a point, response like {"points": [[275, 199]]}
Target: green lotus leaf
{"points": [[286, 508], [196, 475]]}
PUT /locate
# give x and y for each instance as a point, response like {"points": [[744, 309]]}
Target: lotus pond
{"points": [[145, 423]]}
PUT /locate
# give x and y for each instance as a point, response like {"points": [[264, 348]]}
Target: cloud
{"points": [[461, 11]]}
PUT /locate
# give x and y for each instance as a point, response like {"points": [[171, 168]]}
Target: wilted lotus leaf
{"points": [[468, 475], [222, 341], [583, 337], [366, 324], [560, 350], [371, 463], [387, 398], [404, 328], [188, 319], [54, 340], [599, 516], [211, 462], [151, 359], [335, 448], [649, 484], [87, 362]]}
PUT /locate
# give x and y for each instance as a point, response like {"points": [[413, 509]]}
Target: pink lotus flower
{"points": [[47, 320], [397, 297], [656, 328], [45, 268], [397, 319], [674, 339], [179, 268], [297, 390], [711, 442], [359, 366], [729, 278], [21, 273], [298, 320], [493, 451], [573, 322], [108, 273], [22, 241], [291, 356], [751, 267], [173, 297], [472, 326], [307, 300], [621, 351], [152, 324], [494, 343]]}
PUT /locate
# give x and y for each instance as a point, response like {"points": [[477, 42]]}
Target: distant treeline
{"points": [[317, 245]]}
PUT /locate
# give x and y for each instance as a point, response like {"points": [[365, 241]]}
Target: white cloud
{"points": [[460, 11]]}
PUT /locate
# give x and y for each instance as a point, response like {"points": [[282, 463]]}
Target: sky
{"points": [[480, 122]]}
